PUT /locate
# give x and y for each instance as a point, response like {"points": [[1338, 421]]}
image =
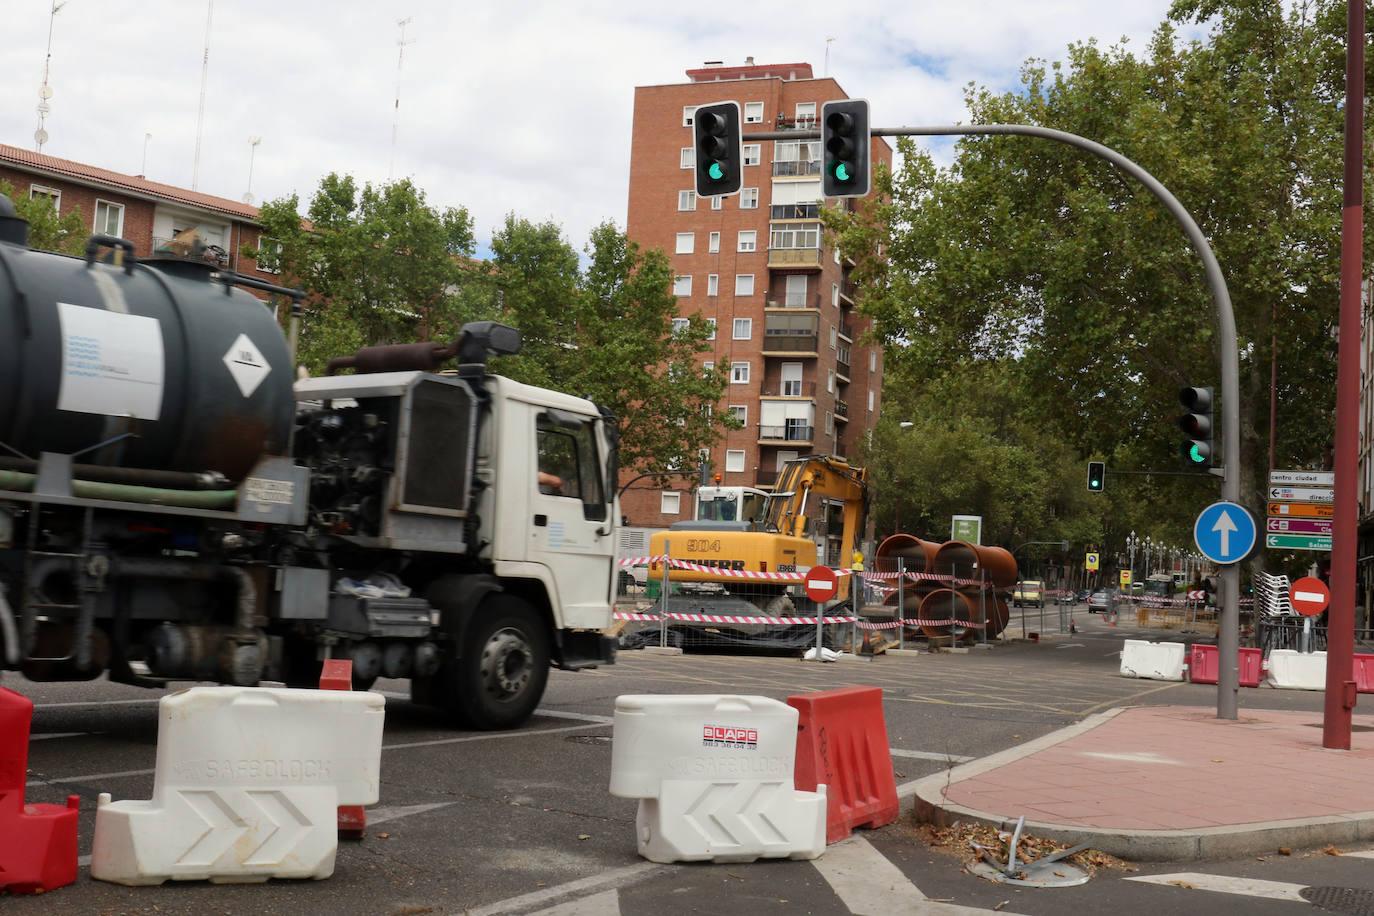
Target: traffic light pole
{"points": [[1228, 635]]}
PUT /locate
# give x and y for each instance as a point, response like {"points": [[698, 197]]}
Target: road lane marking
{"points": [[1224, 884], [608, 880], [868, 884], [606, 903], [57, 780], [72, 703]]}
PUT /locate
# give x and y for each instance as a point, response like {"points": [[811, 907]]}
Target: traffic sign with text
{"points": [[1302, 478], [1309, 596], [1303, 494], [1225, 532], [1304, 510], [1320, 526], [1297, 542]]}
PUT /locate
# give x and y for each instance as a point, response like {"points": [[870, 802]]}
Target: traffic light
{"points": [[718, 149], [1197, 425], [845, 146], [1097, 476]]}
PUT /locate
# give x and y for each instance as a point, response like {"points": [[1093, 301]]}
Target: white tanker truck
{"points": [[173, 508]]}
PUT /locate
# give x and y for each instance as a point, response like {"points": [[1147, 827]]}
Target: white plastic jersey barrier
{"points": [[1158, 661], [247, 787], [1297, 670], [713, 774]]}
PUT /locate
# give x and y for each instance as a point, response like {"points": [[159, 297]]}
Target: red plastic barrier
{"points": [[842, 742], [1203, 663], [37, 842], [337, 674], [1251, 667], [1364, 673]]}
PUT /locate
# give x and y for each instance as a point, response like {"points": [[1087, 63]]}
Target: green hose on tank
{"points": [[119, 492]]}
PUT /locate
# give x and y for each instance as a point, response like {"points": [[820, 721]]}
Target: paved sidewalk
{"points": [[1172, 783]]}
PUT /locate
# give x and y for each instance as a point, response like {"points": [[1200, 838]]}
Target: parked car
{"points": [[1028, 592], [1081, 595], [1101, 601]]}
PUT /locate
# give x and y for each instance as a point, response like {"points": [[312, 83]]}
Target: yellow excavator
{"points": [[818, 500]]}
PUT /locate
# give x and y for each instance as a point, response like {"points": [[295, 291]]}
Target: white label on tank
{"points": [[263, 490], [111, 363], [246, 365]]}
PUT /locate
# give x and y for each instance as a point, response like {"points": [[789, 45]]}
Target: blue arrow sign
{"points": [[1225, 533]]}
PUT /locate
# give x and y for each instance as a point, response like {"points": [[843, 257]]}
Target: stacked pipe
{"points": [[976, 577]]}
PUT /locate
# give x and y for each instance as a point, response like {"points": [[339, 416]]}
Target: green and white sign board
{"points": [[1297, 542], [967, 528]]}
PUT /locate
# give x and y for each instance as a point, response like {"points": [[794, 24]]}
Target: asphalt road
{"points": [[522, 822]]}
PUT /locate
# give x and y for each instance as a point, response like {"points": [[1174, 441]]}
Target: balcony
{"points": [[784, 123], [794, 211], [795, 435], [799, 302], [847, 292], [841, 410], [765, 479], [791, 167], [791, 345], [794, 257], [846, 331], [789, 388]]}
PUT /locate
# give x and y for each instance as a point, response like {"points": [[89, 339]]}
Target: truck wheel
{"points": [[500, 678]]}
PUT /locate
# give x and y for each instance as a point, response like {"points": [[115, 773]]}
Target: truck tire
{"points": [[500, 676]]}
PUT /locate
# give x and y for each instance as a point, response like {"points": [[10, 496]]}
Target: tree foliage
{"points": [[381, 266], [47, 230], [1039, 253]]}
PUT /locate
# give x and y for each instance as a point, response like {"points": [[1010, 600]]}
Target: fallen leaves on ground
{"points": [[955, 840]]}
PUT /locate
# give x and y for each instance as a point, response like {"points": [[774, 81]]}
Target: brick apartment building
{"points": [[147, 213], [758, 265]]}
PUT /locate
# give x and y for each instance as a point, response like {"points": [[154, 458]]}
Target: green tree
{"points": [[380, 265], [48, 231], [1036, 251]]}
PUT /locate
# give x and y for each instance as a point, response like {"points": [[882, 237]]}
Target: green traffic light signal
{"points": [[715, 171], [841, 171], [1097, 476]]}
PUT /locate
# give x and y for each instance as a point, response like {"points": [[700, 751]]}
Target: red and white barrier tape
{"points": [[721, 571], [732, 618]]}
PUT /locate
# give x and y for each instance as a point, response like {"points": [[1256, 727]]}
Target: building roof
{"points": [[715, 70], [129, 184]]}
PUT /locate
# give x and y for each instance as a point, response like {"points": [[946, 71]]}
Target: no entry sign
{"points": [[1309, 596], [821, 583]]}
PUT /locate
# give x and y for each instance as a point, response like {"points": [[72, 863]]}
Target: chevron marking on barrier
{"points": [[227, 824], [718, 816]]}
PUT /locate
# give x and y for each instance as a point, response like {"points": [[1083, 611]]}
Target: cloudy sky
{"points": [[317, 82]]}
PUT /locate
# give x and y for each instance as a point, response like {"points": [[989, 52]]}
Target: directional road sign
{"points": [[1320, 526], [821, 583], [1303, 494], [1225, 533], [1309, 596], [1302, 478], [1297, 542], [1305, 510]]}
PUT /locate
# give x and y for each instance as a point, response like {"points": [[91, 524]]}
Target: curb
{"points": [[929, 805]]}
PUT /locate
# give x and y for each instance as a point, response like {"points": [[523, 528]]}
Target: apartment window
{"points": [[748, 240], [687, 112], [830, 382], [717, 203], [670, 504], [749, 198], [837, 255], [834, 337], [806, 113], [791, 377], [713, 243], [753, 112], [682, 286], [835, 294], [753, 153], [739, 373], [53, 194], [711, 323], [688, 157], [829, 423], [744, 284], [734, 459], [686, 242], [269, 255], [707, 365], [680, 326], [741, 413], [109, 218], [713, 285], [870, 400], [795, 292], [801, 235], [873, 362], [744, 328], [686, 200]]}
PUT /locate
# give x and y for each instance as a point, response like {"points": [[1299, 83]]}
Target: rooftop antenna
{"points": [[252, 151], [204, 74], [40, 136], [828, 42], [396, 114]]}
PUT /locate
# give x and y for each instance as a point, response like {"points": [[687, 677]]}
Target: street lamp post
{"points": [[1132, 542]]}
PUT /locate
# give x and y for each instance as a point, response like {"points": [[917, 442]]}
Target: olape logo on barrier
{"points": [[727, 736]]}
